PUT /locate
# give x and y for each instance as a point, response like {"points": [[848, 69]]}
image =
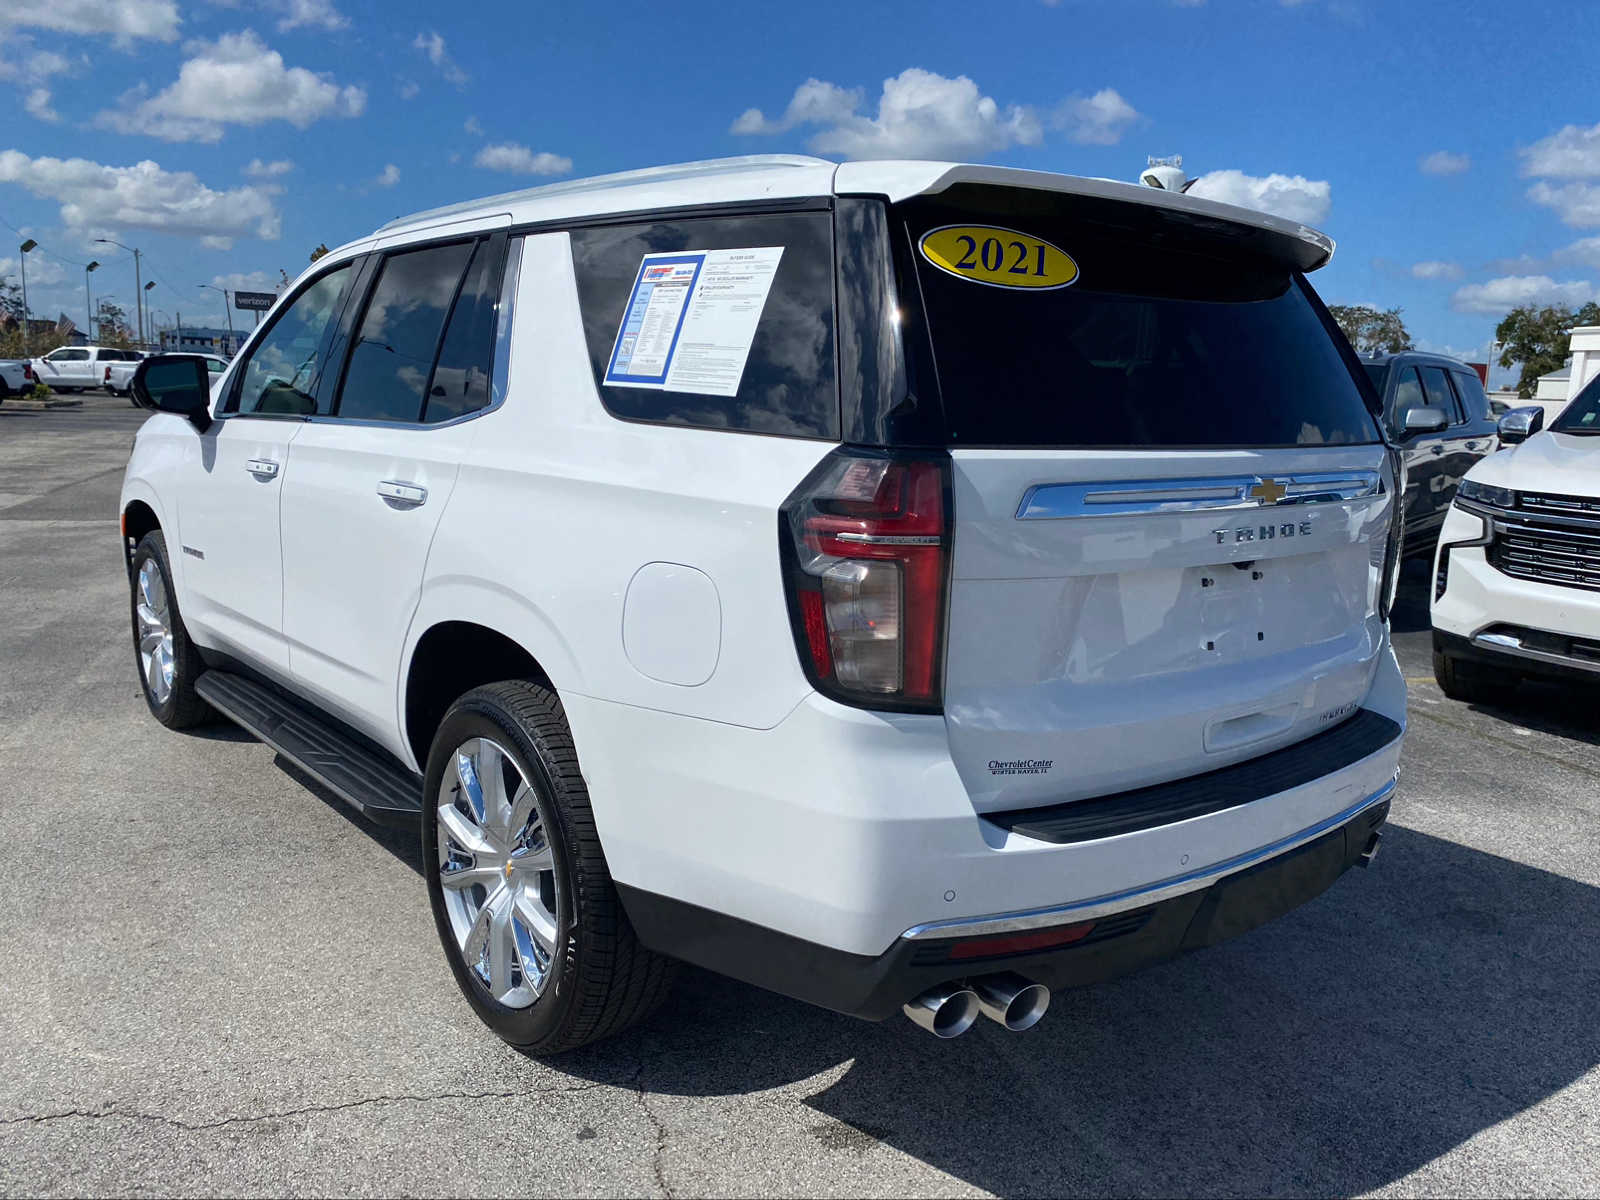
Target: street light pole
{"points": [[226, 308], [138, 284], [143, 345], [88, 304], [26, 246]]}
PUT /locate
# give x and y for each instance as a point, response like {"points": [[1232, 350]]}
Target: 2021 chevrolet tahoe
{"points": [[898, 585]]}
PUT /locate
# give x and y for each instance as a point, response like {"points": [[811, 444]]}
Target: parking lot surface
{"points": [[217, 979]]}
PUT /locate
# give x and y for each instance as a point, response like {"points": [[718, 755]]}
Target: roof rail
{"points": [[596, 183]]}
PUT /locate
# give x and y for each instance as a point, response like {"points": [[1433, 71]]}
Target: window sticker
{"points": [[691, 318], [998, 257]]}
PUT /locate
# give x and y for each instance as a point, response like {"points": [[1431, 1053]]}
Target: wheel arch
{"points": [[449, 659], [139, 518]]}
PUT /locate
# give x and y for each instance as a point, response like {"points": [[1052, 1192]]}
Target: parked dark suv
{"points": [[1435, 409]]}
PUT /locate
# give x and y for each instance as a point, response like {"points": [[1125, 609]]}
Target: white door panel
{"points": [[229, 491], [359, 512]]}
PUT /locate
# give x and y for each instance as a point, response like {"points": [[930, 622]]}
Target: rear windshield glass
{"points": [[1163, 338]]}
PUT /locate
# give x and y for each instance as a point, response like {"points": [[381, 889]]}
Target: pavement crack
{"points": [[658, 1156], [114, 1113]]}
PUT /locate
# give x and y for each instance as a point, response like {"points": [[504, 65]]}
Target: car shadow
{"points": [[1334, 1051]]}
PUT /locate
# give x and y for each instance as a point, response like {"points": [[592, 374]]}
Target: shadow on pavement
{"points": [[1334, 1051]]}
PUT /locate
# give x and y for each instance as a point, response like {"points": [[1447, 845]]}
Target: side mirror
{"points": [[174, 383], [1520, 424], [1425, 420]]}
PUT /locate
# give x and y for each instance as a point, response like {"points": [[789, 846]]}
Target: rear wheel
{"points": [[168, 662], [1470, 682], [523, 901]]}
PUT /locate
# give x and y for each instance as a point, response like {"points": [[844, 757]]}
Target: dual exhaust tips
{"points": [[950, 1009]]}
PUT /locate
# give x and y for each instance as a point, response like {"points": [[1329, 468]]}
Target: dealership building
{"points": [[200, 339]]}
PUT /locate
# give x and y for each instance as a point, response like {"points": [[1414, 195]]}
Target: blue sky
{"points": [[1452, 149]]}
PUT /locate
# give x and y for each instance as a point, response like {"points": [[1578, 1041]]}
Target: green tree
{"points": [[1538, 339], [111, 324], [1370, 330], [10, 300]]}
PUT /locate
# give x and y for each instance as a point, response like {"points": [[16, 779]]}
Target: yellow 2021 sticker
{"points": [[998, 257]]}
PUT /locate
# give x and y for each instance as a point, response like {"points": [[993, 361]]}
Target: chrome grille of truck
{"points": [[1545, 551]]}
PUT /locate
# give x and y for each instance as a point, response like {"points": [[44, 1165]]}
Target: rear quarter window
{"points": [[789, 382]]}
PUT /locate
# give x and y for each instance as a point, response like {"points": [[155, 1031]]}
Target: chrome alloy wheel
{"points": [[498, 873], [155, 631]]}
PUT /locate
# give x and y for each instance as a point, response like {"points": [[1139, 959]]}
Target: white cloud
{"points": [[471, 126], [920, 115], [235, 80], [1577, 204], [1500, 296], [519, 160], [144, 196], [319, 14], [246, 281], [37, 102], [388, 177], [1572, 152], [1583, 252], [22, 61], [1443, 162], [432, 45], [256, 169], [1291, 196], [1435, 269], [409, 89], [814, 102], [122, 19], [1097, 120]]}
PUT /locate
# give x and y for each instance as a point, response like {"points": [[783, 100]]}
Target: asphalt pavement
{"points": [[214, 978]]}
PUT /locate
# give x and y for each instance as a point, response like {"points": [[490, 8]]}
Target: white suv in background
{"points": [[1516, 587], [897, 585]]}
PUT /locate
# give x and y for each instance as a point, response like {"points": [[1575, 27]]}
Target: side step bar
{"points": [[375, 784]]}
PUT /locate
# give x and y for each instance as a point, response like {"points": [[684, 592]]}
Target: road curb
{"points": [[38, 405]]}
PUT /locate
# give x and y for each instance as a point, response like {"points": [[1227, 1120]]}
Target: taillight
{"points": [[27, 370], [865, 542], [107, 377], [1394, 544]]}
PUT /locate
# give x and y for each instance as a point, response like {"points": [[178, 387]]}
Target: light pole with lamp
{"points": [[228, 311], [25, 247], [138, 285], [144, 345], [88, 304]]}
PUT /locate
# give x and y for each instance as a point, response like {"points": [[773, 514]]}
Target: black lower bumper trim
{"points": [[874, 987], [1362, 735], [1466, 650]]}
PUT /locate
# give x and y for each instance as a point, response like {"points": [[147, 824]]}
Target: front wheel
{"points": [[522, 897], [168, 662]]}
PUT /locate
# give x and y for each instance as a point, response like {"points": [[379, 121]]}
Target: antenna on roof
{"points": [[1166, 174]]}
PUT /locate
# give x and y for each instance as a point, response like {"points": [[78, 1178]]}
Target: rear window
{"points": [[704, 346], [1165, 337]]}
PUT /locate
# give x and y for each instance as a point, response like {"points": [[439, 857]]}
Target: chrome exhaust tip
{"points": [[1011, 1000], [1370, 851], [945, 1011]]}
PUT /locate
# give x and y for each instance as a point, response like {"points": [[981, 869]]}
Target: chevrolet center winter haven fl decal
{"points": [[998, 257], [1021, 766]]}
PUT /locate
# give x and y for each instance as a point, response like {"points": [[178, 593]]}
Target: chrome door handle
{"points": [[264, 468], [410, 495]]}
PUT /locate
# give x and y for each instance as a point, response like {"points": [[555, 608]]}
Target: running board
{"points": [[376, 785]]}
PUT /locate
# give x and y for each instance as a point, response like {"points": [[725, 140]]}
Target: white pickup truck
{"points": [[16, 376], [118, 375]]}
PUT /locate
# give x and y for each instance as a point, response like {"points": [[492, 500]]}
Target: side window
{"points": [[398, 336], [711, 334], [1407, 395], [281, 374], [1470, 388], [73, 354], [1439, 394], [460, 383]]}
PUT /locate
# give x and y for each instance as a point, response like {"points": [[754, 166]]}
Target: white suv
{"points": [[1516, 588], [892, 584]]}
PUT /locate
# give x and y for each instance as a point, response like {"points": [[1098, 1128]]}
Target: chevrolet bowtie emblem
{"points": [[1268, 491]]}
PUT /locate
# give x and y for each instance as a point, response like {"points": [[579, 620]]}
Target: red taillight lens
{"points": [[866, 543], [107, 377], [27, 370]]}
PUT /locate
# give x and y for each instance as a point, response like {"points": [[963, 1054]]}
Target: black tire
{"points": [[601, 980], [182, 707], [1469, 682]]}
